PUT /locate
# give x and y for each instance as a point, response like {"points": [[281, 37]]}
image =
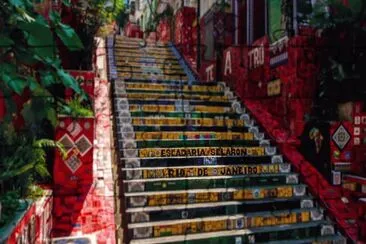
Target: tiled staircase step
{"points": [[183, 96], [125, 59], [209, 182], [185, 115], [193, 143], [169, 82], [190, 128], [132, 40], [144, 50], [205, 171], [329, 239], [142, 86], [187, 135], [136, 121], [140, 54], [148, 63], [222, 223], [142, 199], [200, 210], [166, 152], [199, 161], [254, 235], [184, 104], [140, 47], [174, 108], [153, 70], [150, 77]]}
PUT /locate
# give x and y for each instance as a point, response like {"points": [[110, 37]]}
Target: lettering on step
{"points": [[227, 70], [204, 151], [256, 57], [211, 171], [209, 72]]}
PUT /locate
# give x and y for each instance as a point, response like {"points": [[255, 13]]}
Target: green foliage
{"points": [[154, 18], [29, 60], [34, 192], [75, 109], [10, 203]]}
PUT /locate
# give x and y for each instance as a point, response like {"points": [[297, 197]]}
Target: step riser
{"points": [[162, 87], [278, 235], [220, 225], [197, 197], [210, 183], [192, 136], [200, 161], [194, 151], [191, 213], [239, 170]]}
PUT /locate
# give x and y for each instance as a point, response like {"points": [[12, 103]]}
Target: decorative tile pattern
{"points": [[67, 142], [73, 163], [341, 137], [83, 144], [74, 129]]}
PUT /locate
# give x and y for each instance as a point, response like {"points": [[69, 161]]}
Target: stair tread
{"points": [[208, 235], [216, 218], [211, 204], [228, 189], [207, 177]]}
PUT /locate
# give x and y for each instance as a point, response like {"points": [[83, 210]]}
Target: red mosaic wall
{"points": [[35, 226], [293, 81], [86, 81], [74, 174]]}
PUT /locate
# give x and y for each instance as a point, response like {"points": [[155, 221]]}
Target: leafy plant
{"points": [[29, 63], [75, 108], [88, 18], [155, 17], [10, 203]]}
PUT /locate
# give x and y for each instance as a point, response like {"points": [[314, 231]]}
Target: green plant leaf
{"points": [[48, 78], [17, 3], [5, 41], [16, 83], [67, 3], [33, 84], [69, 37], [68, 80], [39, 37]]}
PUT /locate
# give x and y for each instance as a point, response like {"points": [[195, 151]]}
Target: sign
{"points": [[211, 171], [201, 151], [228, 68], [274, 88], [256, 57]]}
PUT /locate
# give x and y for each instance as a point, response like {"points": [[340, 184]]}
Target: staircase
{"points": [[195, 168]]}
